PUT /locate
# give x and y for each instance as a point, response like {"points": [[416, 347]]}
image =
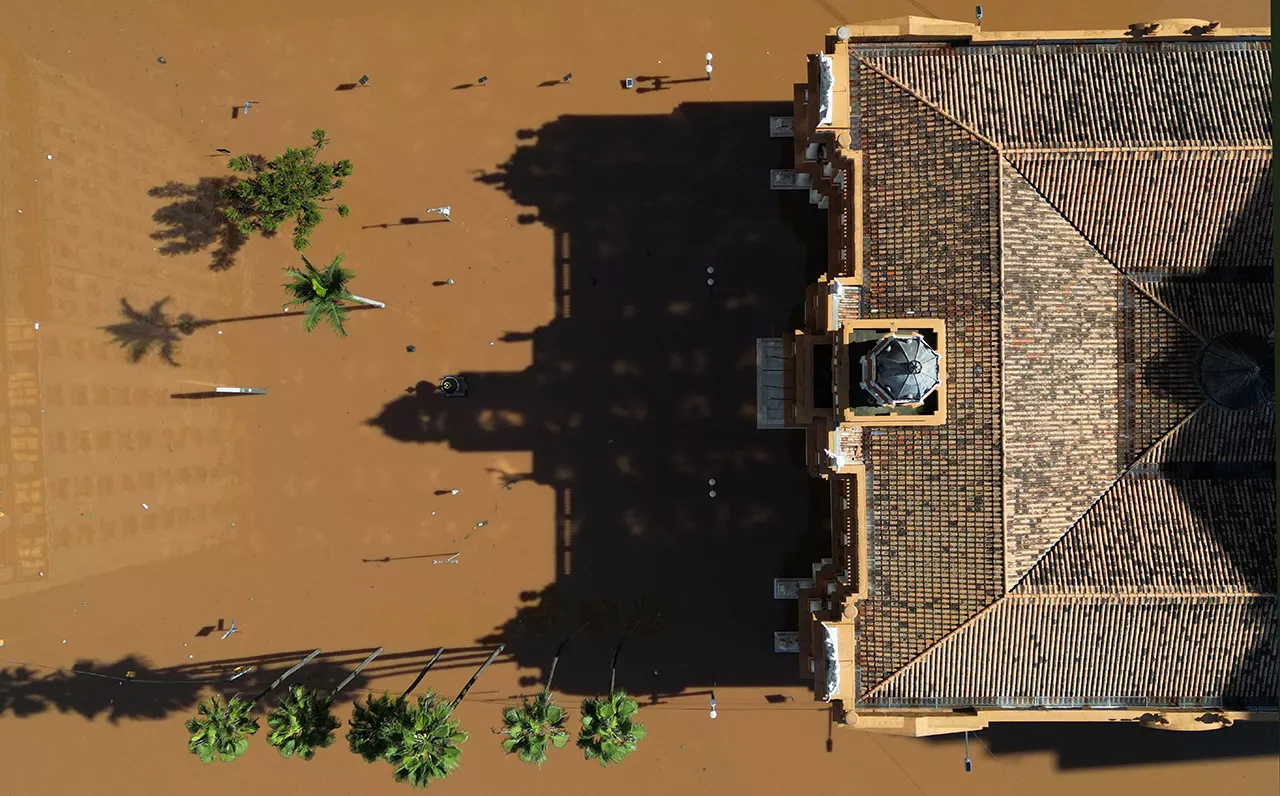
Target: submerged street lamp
{"points": [[453, 386]]}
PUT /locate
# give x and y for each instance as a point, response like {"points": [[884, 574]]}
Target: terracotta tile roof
{"points": [[932, 218], [1159, 356], [1078, 288], [849, 304], [1095, 94], [849, 440], [1100, 650], [1062, 374], [1214, 308], [1220, 436], [1163, 213], [1159, 535]]}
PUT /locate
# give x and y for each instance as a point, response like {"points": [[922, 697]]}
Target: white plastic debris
{"points": [[50, 157], [219, 331], [145, 506], [37, 325]]}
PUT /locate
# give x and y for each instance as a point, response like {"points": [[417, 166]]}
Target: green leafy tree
{"points": [[288, 187], [302, 723], [427, 745], [609, 730], [533, 727], [322, 293], [221, 731]]}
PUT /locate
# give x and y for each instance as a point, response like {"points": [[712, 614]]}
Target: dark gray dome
{"points": [[1237, 370], [904, 369]]}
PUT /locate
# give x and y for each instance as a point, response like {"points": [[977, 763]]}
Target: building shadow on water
{"points": [[1100, 745], [642, 391]]}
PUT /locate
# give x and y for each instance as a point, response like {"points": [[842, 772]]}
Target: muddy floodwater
{"points": [[608, 384]]}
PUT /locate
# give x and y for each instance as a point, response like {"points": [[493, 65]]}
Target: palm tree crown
{"points": [[427, 746], [220, 731], [375, 724], [608, 732], [321, 292], [302, 723], [532, 726]]}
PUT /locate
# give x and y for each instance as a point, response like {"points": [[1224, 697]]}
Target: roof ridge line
{"points": [[1124, 274], [1189, 595], [1094, 503], [931, 105], [901, 669], [1159, 148]]}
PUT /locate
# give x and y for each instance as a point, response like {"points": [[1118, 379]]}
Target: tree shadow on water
{"points": [[196, 220], [132, 688], [141, 332]]}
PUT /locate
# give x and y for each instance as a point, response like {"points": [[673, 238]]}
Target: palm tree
{"points": [[322, 293], [427, 744], [380, 719], [375, 724], [220, 731], [609, 732], [461, 694], [534, 725], [302, 723]]}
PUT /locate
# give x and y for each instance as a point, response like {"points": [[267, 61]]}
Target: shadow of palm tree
{"points": [[140, 332], [196, 220]]}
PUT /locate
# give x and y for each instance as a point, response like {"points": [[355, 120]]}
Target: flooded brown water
{"points": [[608, 385]]}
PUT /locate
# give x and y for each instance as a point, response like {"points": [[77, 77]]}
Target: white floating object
{"points": [[37, 325], [145, 506], [219, 331], [708, 56], [50, 157]]}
